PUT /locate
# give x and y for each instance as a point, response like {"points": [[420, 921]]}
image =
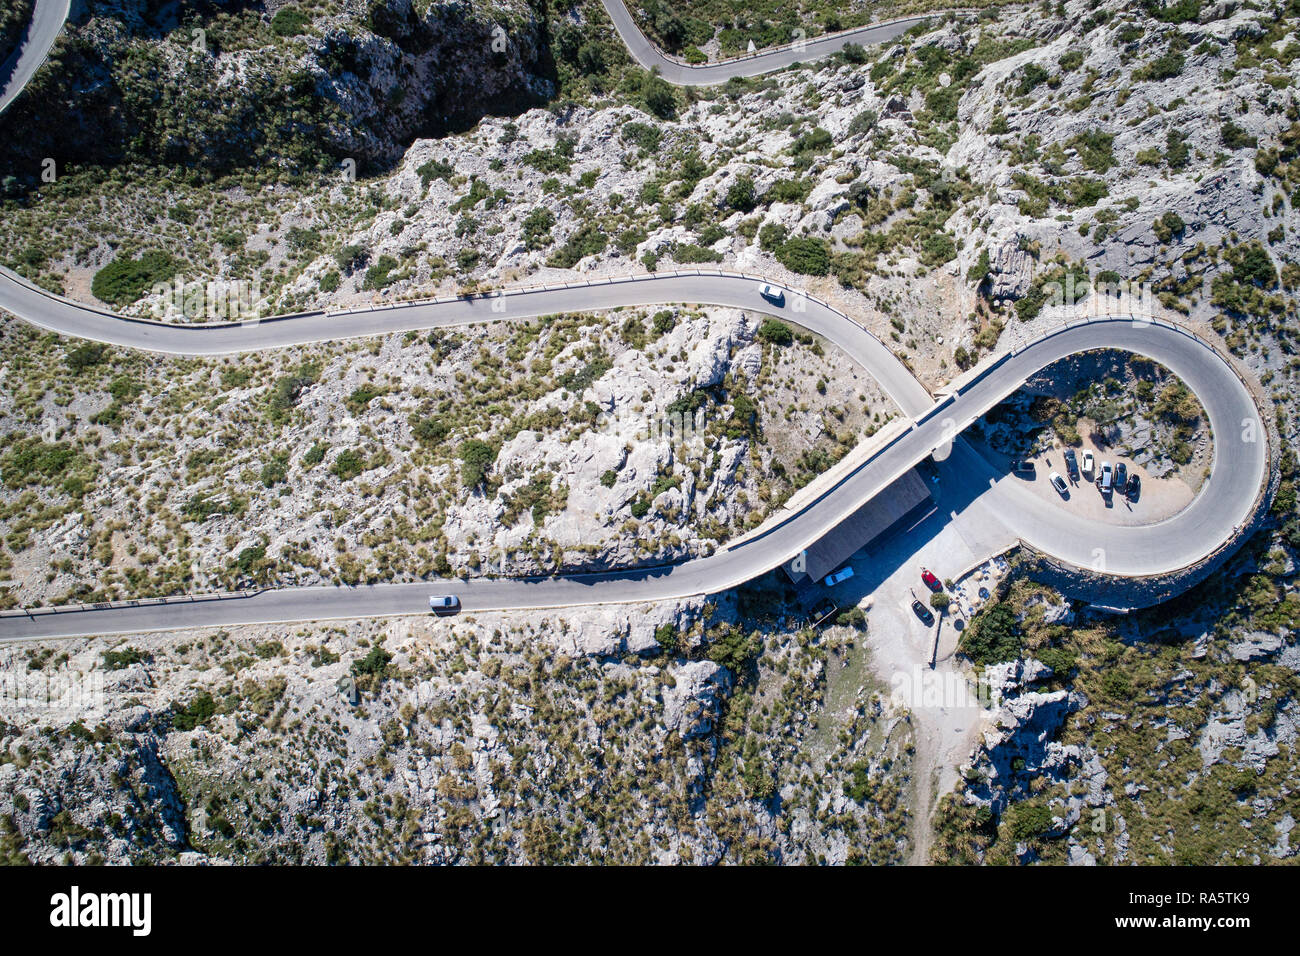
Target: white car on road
{"points": [[443, 603], [773, 294]]}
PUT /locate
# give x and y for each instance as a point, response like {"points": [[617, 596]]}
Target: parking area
{"points": [[1158, 498]]}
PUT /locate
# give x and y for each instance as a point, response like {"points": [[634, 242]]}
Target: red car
{"points": [[931, 582]]}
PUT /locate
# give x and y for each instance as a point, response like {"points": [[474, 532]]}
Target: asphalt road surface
{"points": [[47, 21]]}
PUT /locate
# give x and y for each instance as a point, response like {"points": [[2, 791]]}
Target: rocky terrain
{"points": [[1168, 737], [299, 85], [957, 191], [559, 444], [671, 735]]}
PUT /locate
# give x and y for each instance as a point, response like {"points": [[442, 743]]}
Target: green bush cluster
{"points": [[124, 280]]}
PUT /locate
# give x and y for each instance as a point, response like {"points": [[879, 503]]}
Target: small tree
{"points": [[776, 332], [940, 601], [742, 195], [476, 459]]}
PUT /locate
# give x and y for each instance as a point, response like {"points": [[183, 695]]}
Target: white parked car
{"points": [[773, 294], [444, 603], [1087, 463], [1105, 478], [843, 574], [1059, 484]]}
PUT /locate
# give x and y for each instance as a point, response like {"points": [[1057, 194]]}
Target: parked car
{"points": [[1059, 484], [774, 295], [1022, 467], [1121, 476], [444, 603], [1105, 480], [931, 580], [1134, 487], [1071, 464], [843, 574], [923, 612], [1087, 463]]}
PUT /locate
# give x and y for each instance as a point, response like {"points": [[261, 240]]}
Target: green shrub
{"points": [[1095, 149], [734, 649], [689, 252], [31, 461], [249, 559], [1234, 137], [303, 240], [1177, 152], [1028, 820], [580, 379], [274, 472], [1252, 264], [118, 660], [993, 636], [379, 275], [558, 159], [775, 332], [742, 195], [668, 637], [772, 236], [1168, 225], [1030, 78], [537, 228], [744, 417], [588, 240], [854, 53], [85, 356], [1071, 61], [806, 256], [938, 248], [286, 390], [811, 143], [659, 97], [289, 22], [429, 430], [476, 460], [123, 281], [1174, 11], [349, 258], [1082, 192], [361, 398], [435, 169], [643, 136], [788, 191], [1164, 67], [348, 464], [863, 122], [196, 713], [374, 664]]}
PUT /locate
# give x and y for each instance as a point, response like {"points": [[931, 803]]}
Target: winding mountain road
{"points": [[1227, 500], [679, 73], [48, 17]]}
